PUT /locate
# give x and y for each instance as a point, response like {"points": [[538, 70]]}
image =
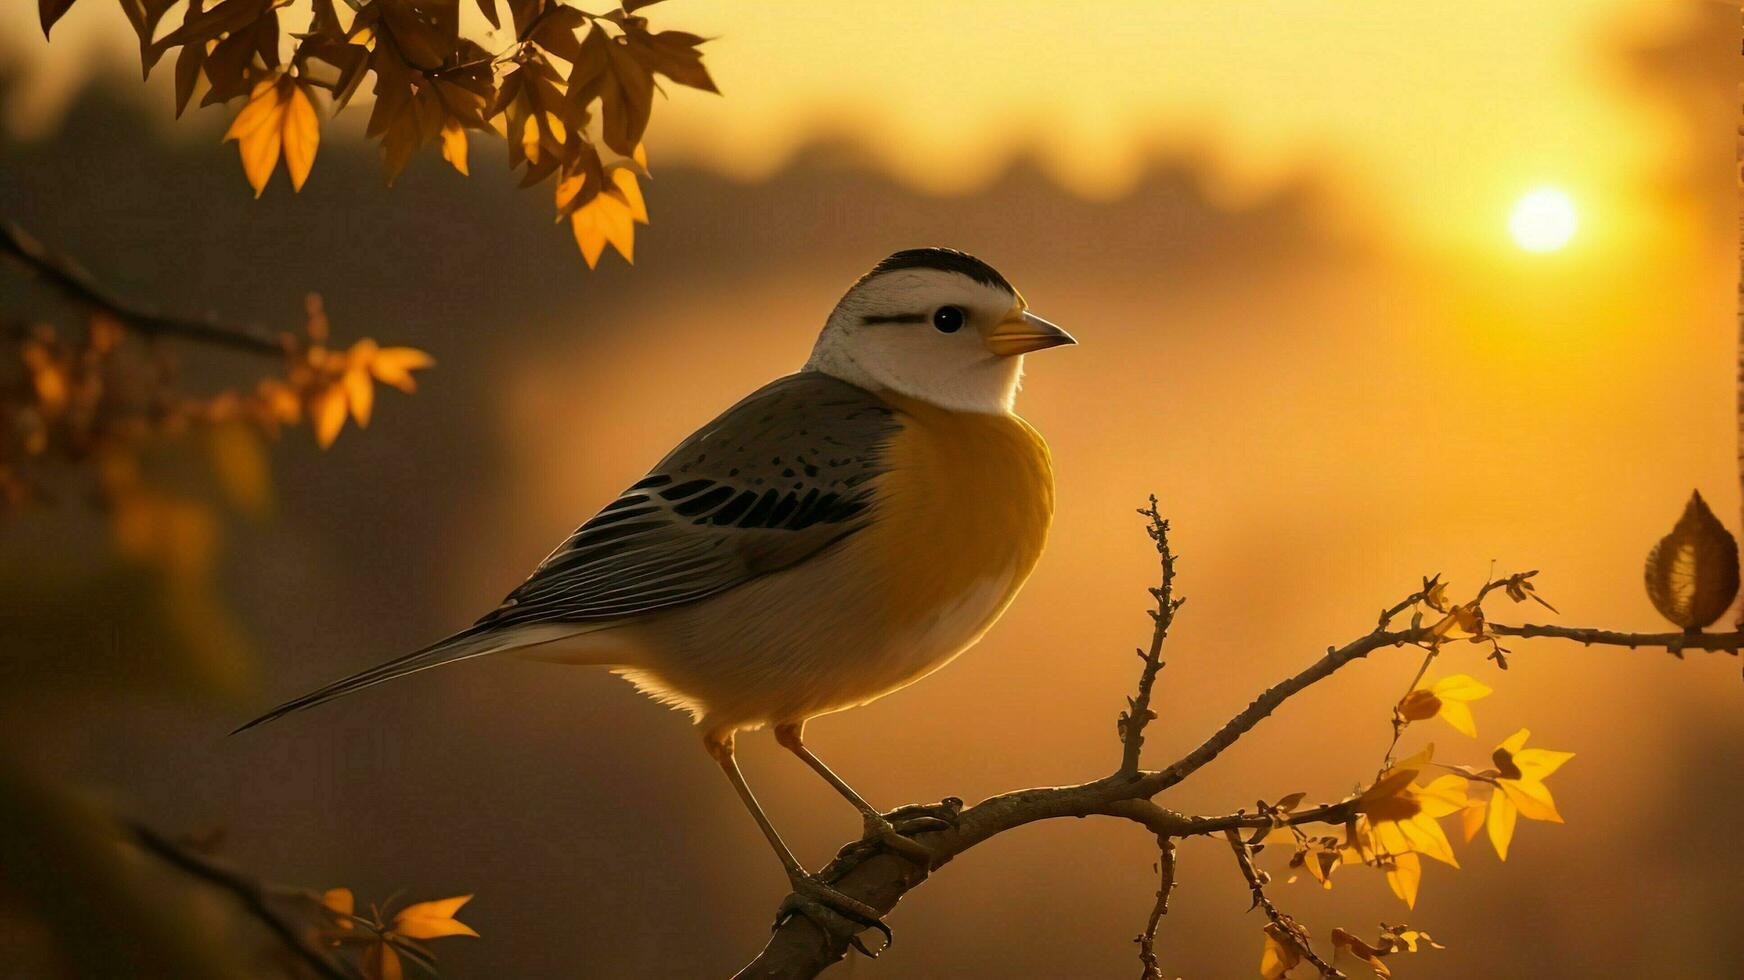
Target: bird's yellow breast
{"points": [[962, 514]]}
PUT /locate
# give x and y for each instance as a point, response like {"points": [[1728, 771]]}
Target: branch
{"points": [[1139, 714], [77, 285], [251, 894], [801, 948], [1147, 943], [1675, 643]]}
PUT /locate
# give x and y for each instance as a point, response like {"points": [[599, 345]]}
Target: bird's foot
{"points": [[891, 831], [918, 817], [833, 912]]}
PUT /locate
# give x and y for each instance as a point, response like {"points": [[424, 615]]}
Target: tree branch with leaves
{"points": [[1390, 825], [566, 85]]}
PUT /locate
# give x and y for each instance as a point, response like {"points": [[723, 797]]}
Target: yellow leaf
{"points": [[359, 389], [1404, 876], [432, 920], [258, 131], [454, 145], [607, 219], [1281, 954], [1370, 955], [340, 900], [280, 401], [1461, 687], [1443, 795], [1531, 798], [1459, 718], [530, 138], [1520, 776], [328, 412], [1447, 699], [625, 180], [302, 134], [1472, 819], [1501, 823], [1539, 763], [394, 366]]}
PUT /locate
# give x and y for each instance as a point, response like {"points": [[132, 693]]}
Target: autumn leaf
{"points": [[302, 135], [1435, 594], [387, 943], [1393, 939], [609, 218], [1404, 875], [359, 386], [342, 904], [1692, 573], [278, 116], [1400, 820], [1447, 698], [1520, 789], [454, 145], [394, 366], [1281, 953], [1349, 944], [327, 410], [1465, 621], [433, 920], [1472, 819]]}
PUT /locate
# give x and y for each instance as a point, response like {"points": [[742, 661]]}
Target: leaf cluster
{"points": [[572, 92]]}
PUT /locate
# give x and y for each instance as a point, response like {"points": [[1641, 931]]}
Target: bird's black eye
{"points": [[949, 319]]}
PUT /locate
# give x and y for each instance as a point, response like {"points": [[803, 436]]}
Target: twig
{"points": [[1139, 714], [251, 894], [1256, 883], [77, 285], [1729, 642], [1147, 943]]}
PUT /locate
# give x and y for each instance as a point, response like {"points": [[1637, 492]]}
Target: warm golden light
{"points": [[1543, 220]]}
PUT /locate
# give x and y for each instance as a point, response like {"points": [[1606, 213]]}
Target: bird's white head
{"points": [[936, 325]]}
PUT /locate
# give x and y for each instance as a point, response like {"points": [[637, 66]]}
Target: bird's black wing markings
{"points": [[776, 478]]}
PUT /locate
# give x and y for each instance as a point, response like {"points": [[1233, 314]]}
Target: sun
{"points": [[1543, 220]]}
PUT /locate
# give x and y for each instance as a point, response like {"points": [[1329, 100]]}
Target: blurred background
{"points": [[1364, 292]]}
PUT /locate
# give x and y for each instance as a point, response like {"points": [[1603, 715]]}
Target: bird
{"points": [[835, 536]]}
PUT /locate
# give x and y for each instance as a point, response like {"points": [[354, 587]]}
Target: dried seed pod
{"points": [[1692, 573]]}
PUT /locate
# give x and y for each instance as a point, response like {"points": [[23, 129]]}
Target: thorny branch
{"points": [[254, 897], [77, 285], [800, 947], [1139, 714], [1147, 942]]}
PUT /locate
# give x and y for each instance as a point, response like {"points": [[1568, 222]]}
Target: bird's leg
{"points": [[811, 896], [876, 826]]}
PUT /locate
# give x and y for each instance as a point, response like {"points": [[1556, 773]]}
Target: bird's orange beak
{"points": [[1023, 332]]}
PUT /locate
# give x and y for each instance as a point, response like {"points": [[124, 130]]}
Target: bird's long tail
{"points": [[469, 643]]}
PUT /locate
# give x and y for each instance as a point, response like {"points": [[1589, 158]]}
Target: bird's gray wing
{"points": [[780, 476]]}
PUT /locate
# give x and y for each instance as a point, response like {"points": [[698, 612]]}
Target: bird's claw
{"points": [[833, 912], [881, 831], [892, 831], [945, 812]]}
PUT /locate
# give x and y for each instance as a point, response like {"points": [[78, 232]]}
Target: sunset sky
{"points": [[1437, 117]]}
